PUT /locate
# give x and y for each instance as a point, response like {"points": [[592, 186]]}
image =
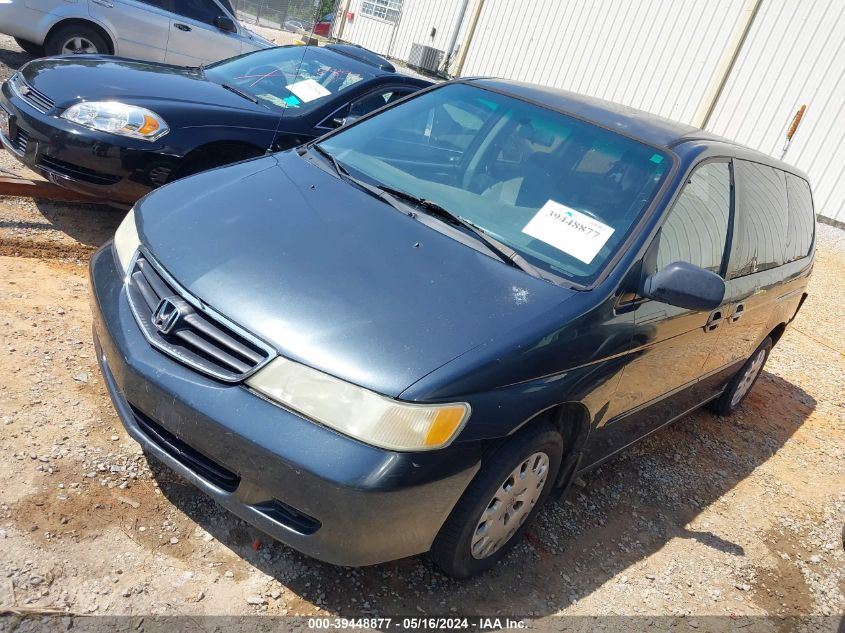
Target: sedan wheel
{"points": [[78, 45], [76, 39]]}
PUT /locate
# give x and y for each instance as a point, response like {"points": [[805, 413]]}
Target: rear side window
{"points": [[802, 220], [761, 218], [696, 230]]}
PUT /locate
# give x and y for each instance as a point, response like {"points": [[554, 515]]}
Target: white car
{"points": [[180, 32]]}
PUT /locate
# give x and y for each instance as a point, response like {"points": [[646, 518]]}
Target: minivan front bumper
{"points": [[327, 495]]}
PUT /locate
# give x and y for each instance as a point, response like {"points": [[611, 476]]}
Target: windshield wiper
{"points": [[344, 174], [392, 197], [501, 250], [240, 93]]}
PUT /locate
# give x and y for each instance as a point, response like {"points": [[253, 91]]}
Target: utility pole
{"points": [[462, 53]]}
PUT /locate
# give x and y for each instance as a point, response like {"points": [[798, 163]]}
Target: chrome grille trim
{"points": [[33, 97], [202, 338]]}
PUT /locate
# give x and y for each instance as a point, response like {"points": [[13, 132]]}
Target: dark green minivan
{"points": [[404, 336]]}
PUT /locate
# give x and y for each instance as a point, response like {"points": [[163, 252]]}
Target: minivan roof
{"points": [[651, 128]]}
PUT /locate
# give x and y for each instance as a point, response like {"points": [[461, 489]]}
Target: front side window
{"points": [[299, 78], [382, 9], [762, 219], [562, 192], [696, 230]]}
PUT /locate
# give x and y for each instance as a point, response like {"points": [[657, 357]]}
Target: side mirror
{"points": [[685, 286], [225, 23]]}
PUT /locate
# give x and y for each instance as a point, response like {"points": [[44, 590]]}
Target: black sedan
{"points": [[116, 128]]}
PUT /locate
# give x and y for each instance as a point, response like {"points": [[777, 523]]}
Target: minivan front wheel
{"points": [[740, 385], [499, 503]]}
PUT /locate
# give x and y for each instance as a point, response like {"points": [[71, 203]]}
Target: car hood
{"points": [[331, 276], [67, 80]]}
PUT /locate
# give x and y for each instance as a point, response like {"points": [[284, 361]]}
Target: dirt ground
{"points": [[709, 517]]}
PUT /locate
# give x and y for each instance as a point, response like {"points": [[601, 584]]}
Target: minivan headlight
{"points": [[358, 412], [118, 118], [126, 241]]}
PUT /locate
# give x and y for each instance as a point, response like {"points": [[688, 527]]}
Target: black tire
{"points": [[727, 403], [36, 50], [452, 548], [57, 40]]}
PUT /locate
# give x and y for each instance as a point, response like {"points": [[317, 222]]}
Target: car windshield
{"points": [[290, 77], [561, 192]]}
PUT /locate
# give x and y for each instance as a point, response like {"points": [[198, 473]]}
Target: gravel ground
{"points": [[710, 517]]}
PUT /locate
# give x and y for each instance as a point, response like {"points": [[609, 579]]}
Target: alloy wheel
{"points": [[78, 45]]}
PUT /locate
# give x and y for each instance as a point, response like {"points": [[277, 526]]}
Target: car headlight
{"points": [[126, 241], [358, 412], [118, 118]]}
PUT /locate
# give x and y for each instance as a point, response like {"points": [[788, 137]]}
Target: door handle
{"points": [[182, 27], [739, 310], [104, 3], [714, 321]]}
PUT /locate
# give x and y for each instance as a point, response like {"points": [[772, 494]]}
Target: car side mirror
{"points": [[686, 286], [225, 23]]}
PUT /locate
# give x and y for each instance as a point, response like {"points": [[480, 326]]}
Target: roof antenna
{"points": [[272, 148]]}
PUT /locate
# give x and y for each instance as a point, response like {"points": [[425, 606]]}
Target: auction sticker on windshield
{"points": [[308, 90], [568, 230]]}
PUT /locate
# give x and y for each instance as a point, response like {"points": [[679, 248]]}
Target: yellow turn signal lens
{"points": [[444, 426], [150, 126]]}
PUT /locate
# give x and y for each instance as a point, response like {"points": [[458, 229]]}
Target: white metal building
{"points": [[739, 68]]}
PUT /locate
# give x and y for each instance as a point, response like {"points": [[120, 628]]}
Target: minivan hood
{"points": [[331, 276]]}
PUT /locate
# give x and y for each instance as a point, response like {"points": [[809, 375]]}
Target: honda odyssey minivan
{"points": [[406, 335]]}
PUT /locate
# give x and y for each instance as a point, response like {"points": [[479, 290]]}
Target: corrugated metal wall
{"points": [[794, 55], [656, 55], [368, 32], [418, 19], [666, 57]]}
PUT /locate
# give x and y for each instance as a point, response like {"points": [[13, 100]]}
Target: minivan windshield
{"points": [[289, 77], [561, 192]]}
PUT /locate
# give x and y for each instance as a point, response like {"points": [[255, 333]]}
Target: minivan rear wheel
{"points": [[741, 384], [495, 509], [76, 39]]}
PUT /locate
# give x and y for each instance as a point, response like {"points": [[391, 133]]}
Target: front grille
{"points": [[173, 321], [189, 457], [33, 97], [20, 141]]}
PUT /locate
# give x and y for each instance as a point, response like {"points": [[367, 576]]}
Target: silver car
{"points": [[180, 32]]}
